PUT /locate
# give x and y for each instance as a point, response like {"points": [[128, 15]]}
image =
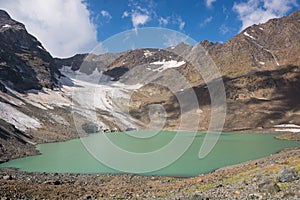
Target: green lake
{"points": [[73, 156]]}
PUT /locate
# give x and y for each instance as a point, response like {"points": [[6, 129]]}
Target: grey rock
{"points": [[197, 196], [268, 187], [90, 127], [254, 196], [287, 174], [131, 129]]}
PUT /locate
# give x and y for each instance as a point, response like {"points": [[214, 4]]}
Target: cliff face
{"points": [[23, 60]]}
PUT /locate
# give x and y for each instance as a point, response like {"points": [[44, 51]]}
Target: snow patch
{"points": [[295, 130], [167, 65], [275, 59], [6, 26], [246, 34], [287, 126], [148, 53], [17, 118], [40, 47], [106, 97], [261, 28], [172, 47], [262, 63]]}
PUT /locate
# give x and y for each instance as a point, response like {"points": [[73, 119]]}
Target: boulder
{"points": [[287, 174], [131, 129], [90, 127], [268, 187]]}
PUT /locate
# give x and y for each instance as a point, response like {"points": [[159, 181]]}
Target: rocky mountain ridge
{"points": [[267, 46], [24, 61]]}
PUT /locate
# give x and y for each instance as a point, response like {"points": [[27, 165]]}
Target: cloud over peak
{"points": [[259, 11], [63, 26]]}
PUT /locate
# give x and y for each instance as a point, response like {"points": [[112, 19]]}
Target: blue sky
{"points": [[215, 22], [67, 27]]}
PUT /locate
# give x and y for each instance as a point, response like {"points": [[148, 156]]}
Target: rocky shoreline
{"points": [[257, 179]]}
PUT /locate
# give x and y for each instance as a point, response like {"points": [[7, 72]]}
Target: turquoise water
{"points": [[73, 157]]}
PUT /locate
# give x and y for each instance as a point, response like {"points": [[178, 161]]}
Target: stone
{"points": [[268, 187], [90, 127], [57, 182], [7, 177], [254, 196], [197, 196], [130, 129], [287, 174]]}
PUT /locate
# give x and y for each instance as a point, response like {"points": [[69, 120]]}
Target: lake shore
{"points": [[233, 182]]}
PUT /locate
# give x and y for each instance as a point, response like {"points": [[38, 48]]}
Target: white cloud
{"points": [[139, 19], [223, 29], [259, 11], [125, 14], [143, 11], [181, 23], [63, 26], [163, 21], [106, 14], [209, 3], [206, 21]]}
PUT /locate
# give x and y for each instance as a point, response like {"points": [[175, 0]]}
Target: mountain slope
{"points": [[24, 62], [260, 47]]}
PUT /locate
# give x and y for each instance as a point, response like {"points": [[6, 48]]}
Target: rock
{"points": [[255, 196], [57, 182], [90, 127], [7, 177], [197, 196], [268, 187], [114, 130], [236, 192], [130, 129], [286, 174], [88, 197], [3, 88], [107, 130]]}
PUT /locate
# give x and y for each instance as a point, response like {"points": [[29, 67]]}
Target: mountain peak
{"points": [[24, 61], [4, 15]]}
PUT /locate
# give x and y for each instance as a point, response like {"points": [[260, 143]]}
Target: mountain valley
{"points": [[45, 99]]}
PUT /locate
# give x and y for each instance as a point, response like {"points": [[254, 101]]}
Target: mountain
{"points": [[24, 61], [259, 67], [46, 99], [267, 46]]}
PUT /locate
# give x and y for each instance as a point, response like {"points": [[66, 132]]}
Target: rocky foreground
{"points": [[273, 177]]}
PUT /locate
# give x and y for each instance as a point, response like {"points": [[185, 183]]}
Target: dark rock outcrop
{"points": [[23, 60]]}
